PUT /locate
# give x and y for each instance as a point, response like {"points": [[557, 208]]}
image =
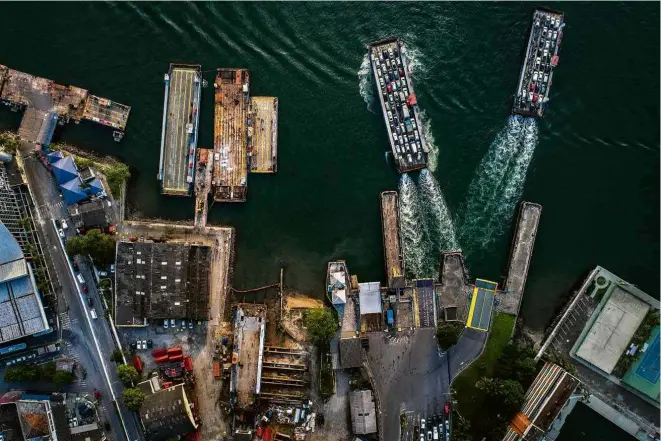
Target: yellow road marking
{"points": [[471, 311], [416, 315]]}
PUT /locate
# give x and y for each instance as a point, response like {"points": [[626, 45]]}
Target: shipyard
{"points": [[399, 105], [183, 86], [230, 133], [541, 57]]}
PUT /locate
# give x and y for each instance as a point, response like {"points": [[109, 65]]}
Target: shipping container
{"points": [[391, 319], [177, 357], [175, 350], [137, 363], [188, 364], [159, 352], [161, 359], [216, 368], [166, 384]]}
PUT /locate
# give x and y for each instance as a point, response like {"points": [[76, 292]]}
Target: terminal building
{"points": [[159, 281]]}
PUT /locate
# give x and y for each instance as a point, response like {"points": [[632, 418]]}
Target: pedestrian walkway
{"points": [[479, 314]]}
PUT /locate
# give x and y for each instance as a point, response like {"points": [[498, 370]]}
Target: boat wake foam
{"points": [[414, 246], [498, 183], [366, 83], [426, 133], [440, 225]]}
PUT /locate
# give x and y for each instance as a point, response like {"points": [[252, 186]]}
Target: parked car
{"points": [[422, 424], [165, 323], [150, 344], [61, 233], [190, 324], [172, 323], [64, 225], [90, 302], [84, 287], [446, 409]]}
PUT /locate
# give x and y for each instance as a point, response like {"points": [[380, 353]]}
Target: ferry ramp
{"points": [[230, 174], [479, 314], [264, 155], [178, 134], [106, 112]]}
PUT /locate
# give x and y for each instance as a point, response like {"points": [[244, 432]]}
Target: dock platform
{"points": [[230, 164], [183, 85], [399, 105], [22, 90], [263, 146], [202, 186], [391, 246], [520, 255], [536, 77]]}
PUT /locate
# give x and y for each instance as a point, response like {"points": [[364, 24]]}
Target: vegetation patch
{"points": [[8, 142], [491, 390], [127, 374], [642, 334], [100, 246], [447, 334], [321, 324], [133, 398], [43, 372]]}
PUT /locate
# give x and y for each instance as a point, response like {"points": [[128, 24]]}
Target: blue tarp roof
{"points": [[9, 249], [72, 191], [65, 169], [95, 186], [55, 156]]}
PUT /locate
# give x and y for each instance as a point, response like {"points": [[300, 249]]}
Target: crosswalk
{"points": [[72, 353], [66, 323]]}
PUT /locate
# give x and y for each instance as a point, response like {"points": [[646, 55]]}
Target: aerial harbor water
{"points": [[592, 161]]}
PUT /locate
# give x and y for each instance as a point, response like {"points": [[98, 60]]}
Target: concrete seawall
{"points": [[520, 255]]}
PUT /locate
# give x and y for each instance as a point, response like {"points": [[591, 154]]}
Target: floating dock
{"points": [[536, 77], [263, 130], [399, 105], [183, 87], [21, 90], [230, 163], [391, 246], [520, 255]]}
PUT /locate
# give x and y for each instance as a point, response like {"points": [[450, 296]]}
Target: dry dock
{"points": [[230, 163], [391, 246], [21, 90], [263, 134], [183, 85], [536, 77], [520, 255], [399, 105]]}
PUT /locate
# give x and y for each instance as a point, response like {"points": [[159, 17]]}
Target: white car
{"points": [[61, 233], [534, 76], [390, 115], [553, 22], [64, 224], [165, 323], [550, 34], [172, 323], [546, 78], [545, 30], [413, 124], [539, 60], [422, 424]]}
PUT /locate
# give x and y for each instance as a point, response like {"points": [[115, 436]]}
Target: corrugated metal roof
{"points": [[363, 412], [9, 249]]}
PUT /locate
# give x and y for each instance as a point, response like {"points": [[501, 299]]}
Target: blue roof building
{"points": [[55, 156], [72, 191], [65, 170]]}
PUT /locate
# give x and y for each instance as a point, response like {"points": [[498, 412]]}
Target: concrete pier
{"points": [[520, 255], [391, 247]]}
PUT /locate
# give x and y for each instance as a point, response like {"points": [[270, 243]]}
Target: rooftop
{"points": [[91, 214], [21, 311], [351, 353], [167, 413], [363, 413], [161, 281]]}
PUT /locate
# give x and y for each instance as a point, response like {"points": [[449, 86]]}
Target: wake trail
{"points": [[365, 82], [414, 248], [498, 183], [440, 225]]}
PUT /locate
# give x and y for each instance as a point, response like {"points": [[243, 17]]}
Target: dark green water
{"points": [[584, 424], [594, 167]]}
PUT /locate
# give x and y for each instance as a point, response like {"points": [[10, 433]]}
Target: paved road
{"points": [[80, 337]]}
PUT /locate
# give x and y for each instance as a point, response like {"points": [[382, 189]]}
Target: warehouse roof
{"points": [[167, 414], [351, 353]]}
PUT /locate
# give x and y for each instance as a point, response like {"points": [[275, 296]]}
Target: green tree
{"points": [[133, 398], [47, 371], [98, 245], [116, 356], [117, 174], [127, 374], [321, 324], [63, 377], [447, 335]]}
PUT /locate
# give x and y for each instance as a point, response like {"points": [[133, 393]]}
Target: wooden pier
{"points": [[391, 245], [230, 163], [520, 255], [202, 187], [263, 130], [21, 90]]}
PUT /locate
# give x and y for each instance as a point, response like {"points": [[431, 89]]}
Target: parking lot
{"points": [[424, 290]]}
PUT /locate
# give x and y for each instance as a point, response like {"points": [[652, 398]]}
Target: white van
{"points": [[93, 314], [80, 279]]}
